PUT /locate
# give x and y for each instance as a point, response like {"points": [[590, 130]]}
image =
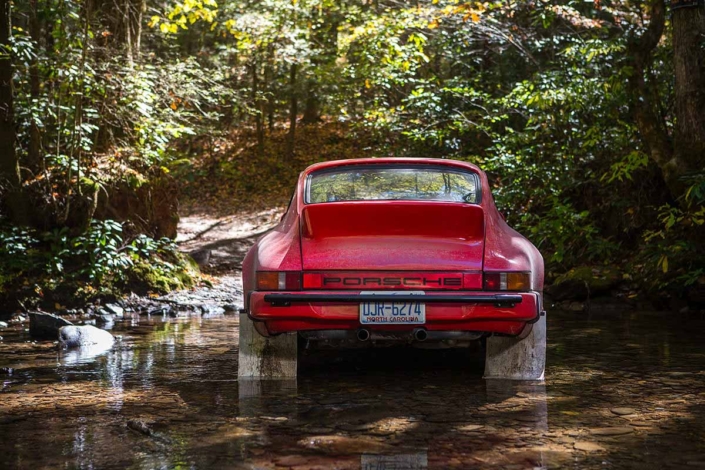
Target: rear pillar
{"points": [[516, 358], [265, 358]]}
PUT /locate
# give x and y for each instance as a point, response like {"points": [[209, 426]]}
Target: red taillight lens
{"points": [[508, 281], [278, 280], [472, 281], [313, 280]]}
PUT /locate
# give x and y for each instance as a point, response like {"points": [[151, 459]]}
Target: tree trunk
{"points": [[645, 97], [9, 164], [293, 110], [312, 111], [689, 64], [10, 181], [138, 28], [33, 153], [128, 32], [269, 83], [257, 102], [686, 153]]}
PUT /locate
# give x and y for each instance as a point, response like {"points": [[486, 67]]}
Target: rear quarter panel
{"points": [[505, 248], [277, 250]]}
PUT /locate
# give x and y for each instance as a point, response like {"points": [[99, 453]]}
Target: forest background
{"points": [[587, 116]]}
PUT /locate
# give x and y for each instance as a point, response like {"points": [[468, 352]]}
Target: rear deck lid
{"points": [[392, 235]]}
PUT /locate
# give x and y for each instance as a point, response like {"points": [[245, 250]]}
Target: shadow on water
{"points": [[622, 391]]}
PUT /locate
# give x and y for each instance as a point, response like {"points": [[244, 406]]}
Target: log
{"points": [[516, 358], [265, 358]]}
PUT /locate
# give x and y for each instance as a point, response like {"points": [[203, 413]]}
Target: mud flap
{"points": [[517, 358], [265, 358]]}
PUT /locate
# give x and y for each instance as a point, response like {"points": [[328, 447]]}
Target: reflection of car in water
{"points": [[395, 250]]}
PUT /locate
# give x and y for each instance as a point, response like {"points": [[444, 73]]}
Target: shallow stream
{"points": [[621, 391]]}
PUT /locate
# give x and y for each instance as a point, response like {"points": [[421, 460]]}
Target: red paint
{"points": [[373, 236], [392, 235], [456, 317]]}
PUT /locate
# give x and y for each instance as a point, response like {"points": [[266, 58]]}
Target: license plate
{"points": [[397, 313]]}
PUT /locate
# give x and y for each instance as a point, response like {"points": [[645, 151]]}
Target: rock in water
{"points": [[115, 309], [86, 335], [139, 426], [46, 325]]}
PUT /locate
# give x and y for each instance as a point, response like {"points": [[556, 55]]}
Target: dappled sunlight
{"points": [[169, 390]]}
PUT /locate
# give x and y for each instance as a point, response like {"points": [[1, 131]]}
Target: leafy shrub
{"points": [[58, 267]]}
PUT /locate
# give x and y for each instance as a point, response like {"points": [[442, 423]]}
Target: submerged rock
{"points": [[86, 335], [45, 325], [139, 426], [211, 310], [612, 431]]}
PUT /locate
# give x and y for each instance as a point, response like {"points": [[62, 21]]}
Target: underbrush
{"points": [[625, 225], [58, 268], [230, 172]]}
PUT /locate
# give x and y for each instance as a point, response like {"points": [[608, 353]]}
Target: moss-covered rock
{"points": [[585, 281], [144, 278]]}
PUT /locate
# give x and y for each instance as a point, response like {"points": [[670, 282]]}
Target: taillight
{"points": [[313, 280], [278, 280], [508, 281]]}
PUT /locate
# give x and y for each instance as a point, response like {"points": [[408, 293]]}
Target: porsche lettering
{"points": [[393, 281]]}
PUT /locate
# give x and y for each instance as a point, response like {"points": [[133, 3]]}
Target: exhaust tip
{"points": [[420, 334], [363, 334]]}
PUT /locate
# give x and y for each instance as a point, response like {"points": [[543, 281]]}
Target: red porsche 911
{"points": [[396, 250]]}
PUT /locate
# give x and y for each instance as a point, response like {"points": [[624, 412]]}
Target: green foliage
{"points": [[56, 267], [536, 93]]}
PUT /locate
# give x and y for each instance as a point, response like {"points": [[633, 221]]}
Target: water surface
{"points": [[621, 391]]}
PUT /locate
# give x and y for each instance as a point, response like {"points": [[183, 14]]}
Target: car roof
{"points": [[392, 160]]}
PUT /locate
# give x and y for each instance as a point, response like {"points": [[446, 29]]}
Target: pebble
{"points": [[588, 446], [344, 445], [470, 427], [356, 427], [641, 424], [623, 411], [612, 431], [290, 461]]}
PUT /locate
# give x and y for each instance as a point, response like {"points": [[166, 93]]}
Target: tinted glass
{"points": [[375, 184]]}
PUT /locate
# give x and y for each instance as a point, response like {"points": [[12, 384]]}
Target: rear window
{"points": [[354, 183]]}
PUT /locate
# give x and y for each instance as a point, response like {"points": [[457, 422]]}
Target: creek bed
{"points": [[622, 391]]}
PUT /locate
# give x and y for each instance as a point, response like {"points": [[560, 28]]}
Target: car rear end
{"points": [[394, 252]]}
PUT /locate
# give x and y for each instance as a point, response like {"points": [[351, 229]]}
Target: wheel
{"points": [[519, 358], [265, 358]]}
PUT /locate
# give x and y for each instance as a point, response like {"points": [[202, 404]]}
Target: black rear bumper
{"points": [[500, 300]]}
